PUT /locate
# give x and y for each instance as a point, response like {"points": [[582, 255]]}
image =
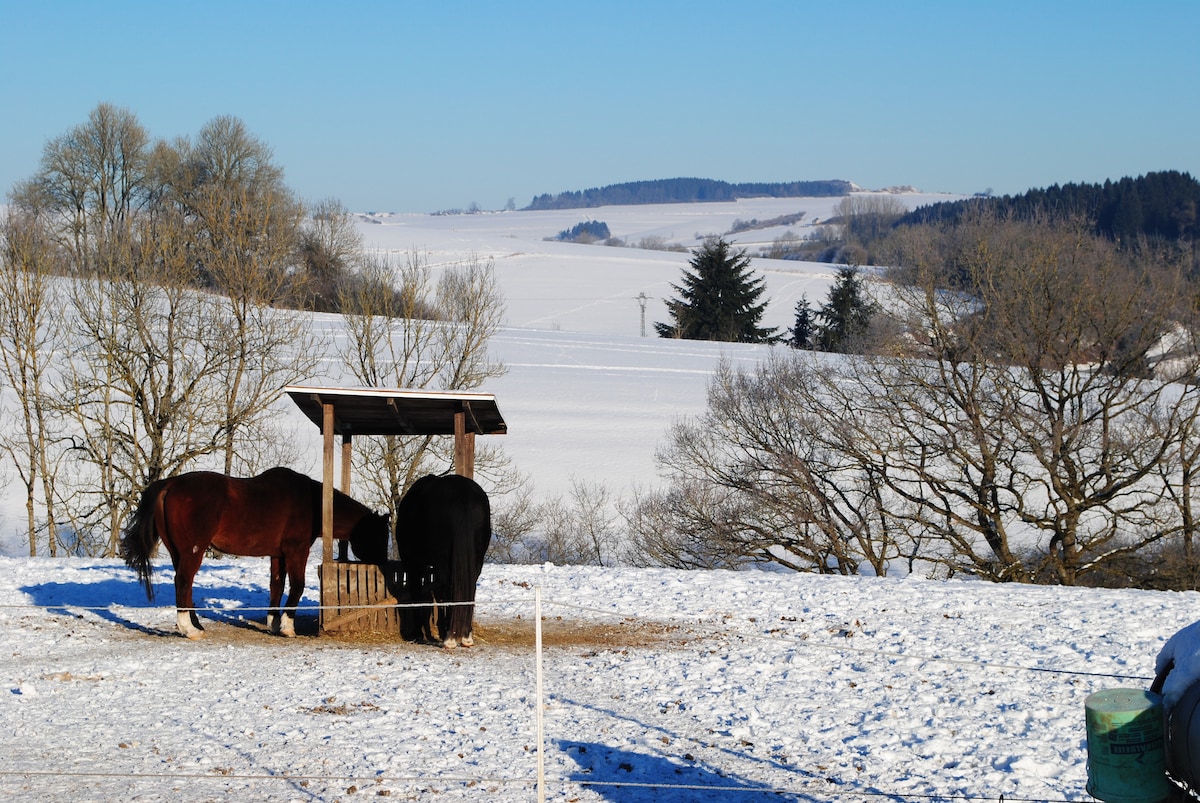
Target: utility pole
{"points": [[642, 298]]}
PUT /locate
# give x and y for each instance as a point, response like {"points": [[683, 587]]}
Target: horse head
{"points": [[370, 538]]}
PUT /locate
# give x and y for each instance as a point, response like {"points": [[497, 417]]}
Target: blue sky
{"points": [[427, 106]]}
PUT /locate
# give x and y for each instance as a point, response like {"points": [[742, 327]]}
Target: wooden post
{"points": [[464, 446], [343, 554], [346, 462], [327, 486]]}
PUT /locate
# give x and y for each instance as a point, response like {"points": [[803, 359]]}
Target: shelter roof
{"points": [[378, 411]]}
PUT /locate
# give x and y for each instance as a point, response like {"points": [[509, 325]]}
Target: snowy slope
{"points": [[586, 395]]}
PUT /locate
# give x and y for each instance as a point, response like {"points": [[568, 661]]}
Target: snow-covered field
{"points": [[586, 395], [656, 682]]}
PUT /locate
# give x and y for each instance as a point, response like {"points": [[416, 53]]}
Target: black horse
{"points": [[443, 529]]}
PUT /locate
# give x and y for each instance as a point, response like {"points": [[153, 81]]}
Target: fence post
{"points": [[537, 648]]}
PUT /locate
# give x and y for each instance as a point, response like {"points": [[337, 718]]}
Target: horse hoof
{"points": [[282, 625], [187, 627]]}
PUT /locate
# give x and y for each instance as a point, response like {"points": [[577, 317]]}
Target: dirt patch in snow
{"points": [[505, 633]]}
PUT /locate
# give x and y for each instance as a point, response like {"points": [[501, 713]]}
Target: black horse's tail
{"points": [[462, 589], [141, 536], [473, 534]]}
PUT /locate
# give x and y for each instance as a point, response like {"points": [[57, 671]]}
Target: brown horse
{"points": [[276, 514], [443, 529]]}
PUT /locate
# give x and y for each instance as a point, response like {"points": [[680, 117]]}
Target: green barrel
{"points": [[1126, 758]]}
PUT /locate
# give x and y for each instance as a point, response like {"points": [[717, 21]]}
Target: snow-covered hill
{"points": [[587, 395]]}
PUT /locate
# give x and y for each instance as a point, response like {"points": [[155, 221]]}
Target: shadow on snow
{"points": [[631, 777], [236, 605]]}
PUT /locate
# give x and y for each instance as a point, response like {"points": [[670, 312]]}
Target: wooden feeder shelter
{"points": [[348, 590]]}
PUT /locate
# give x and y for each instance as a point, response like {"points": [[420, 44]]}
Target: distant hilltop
{"points": [[687, 190]]}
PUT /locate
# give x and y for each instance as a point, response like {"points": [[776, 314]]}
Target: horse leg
{"points": [[458, 620], [186, 620], [467, 639], [296, 564], [424, 619], [274, 622], [447, 630], [419, 623], [453, 633], [446, 618], [417, 619], [442, 615]]}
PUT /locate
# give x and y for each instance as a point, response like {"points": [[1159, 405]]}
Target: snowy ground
{"points": [[656, 682]]}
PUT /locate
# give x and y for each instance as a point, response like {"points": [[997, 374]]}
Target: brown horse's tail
{"points": [[141, 536]]}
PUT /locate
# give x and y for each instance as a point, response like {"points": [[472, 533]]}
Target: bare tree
{"points": [[514, 519], [178, 252], [686, 525], [91, 181], [1066, 339], [1180, 476], [406, 331], [330, 247], [777, 457], [246, 227], [867, 218], [142, 389], [30, 336], [581, 530]]}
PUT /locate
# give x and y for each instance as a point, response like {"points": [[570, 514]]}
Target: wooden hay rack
{"points": [[361, 597]]}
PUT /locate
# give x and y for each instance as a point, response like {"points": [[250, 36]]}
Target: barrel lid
{"points": [[1118, 700]]}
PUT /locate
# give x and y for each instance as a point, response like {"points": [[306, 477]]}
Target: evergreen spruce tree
{"points": [[719, 299], [802, 328], [846, 316]]}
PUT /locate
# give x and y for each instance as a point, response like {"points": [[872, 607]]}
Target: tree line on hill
{"points": [[1161, 205], [685, 190]]}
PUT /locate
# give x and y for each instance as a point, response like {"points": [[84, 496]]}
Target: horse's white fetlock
{"points": [[452, 642], [183, 621], [281, 624]]}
